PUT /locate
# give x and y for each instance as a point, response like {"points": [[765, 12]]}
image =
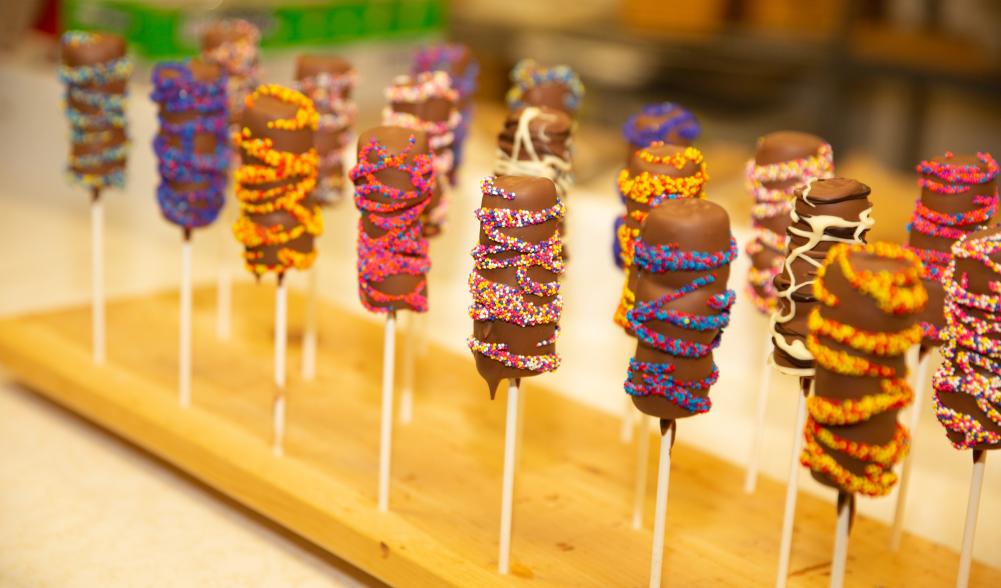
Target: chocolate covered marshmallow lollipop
{"points": [[516, 302], [682, 263], [457, 61], [427, 102], [959, 195], [557, 87], [865, 321], [328, 81], [656, 174], [783, 162], [825, 212]]}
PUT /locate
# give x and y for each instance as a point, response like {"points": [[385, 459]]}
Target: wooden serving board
{"points": [[573, 488]]}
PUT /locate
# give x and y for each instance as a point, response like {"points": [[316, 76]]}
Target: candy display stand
{"points": [[575, 480]]}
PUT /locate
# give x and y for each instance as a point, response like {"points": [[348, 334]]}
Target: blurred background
{"points": [[887, 82]]}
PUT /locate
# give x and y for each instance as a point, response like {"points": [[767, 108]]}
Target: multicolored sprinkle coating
{"points": [[972, 347], [656, 379], [652, 190], [947, 178], [849, 350], [494, 301], [402, 249], [445, 57], [271, 181], [776, 202], [96, 114], [203, 112], [527, 74]]}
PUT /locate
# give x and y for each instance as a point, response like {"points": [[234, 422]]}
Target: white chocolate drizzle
{"points": [[548, 165], [817, 233]]}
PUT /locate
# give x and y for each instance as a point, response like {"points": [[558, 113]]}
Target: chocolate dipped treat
{"points": [[959, 195], [192, 146], [427, 102], [393, 180], [656, 174], [784, 161], [864, 323], [516, 301], [234, 45], [278, 222], [825, 212], [968, 383], [537, 141], [557, 87], [95, 70], [328, 81], [663, 122], [682, 263], [458, 62]]}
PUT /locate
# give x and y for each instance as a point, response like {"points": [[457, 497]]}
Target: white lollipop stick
{"points": [[184, 357], [845, 508], [972, 507], [507, 482], [785, 545], [386, 424], [660, 511], [918, 385], [642, 457], [309, 329], [751, 478], [281, 334], [410, 351], [97, 276]]}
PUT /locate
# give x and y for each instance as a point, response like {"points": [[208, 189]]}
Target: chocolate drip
{"points": [[825, 212], [688, 225], [522, 339]]}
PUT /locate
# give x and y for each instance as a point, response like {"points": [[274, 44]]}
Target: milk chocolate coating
{"points": [[694, 225], [779, 147], [531, 194], [861, 311], [645, 121], [550, 133], [979, 279], [103, 48], [835, 197], [204, 142], [934, 312], [255, 119], [637, 166], [328, 140], [396, 141], [311, 64], [437, 109]]}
